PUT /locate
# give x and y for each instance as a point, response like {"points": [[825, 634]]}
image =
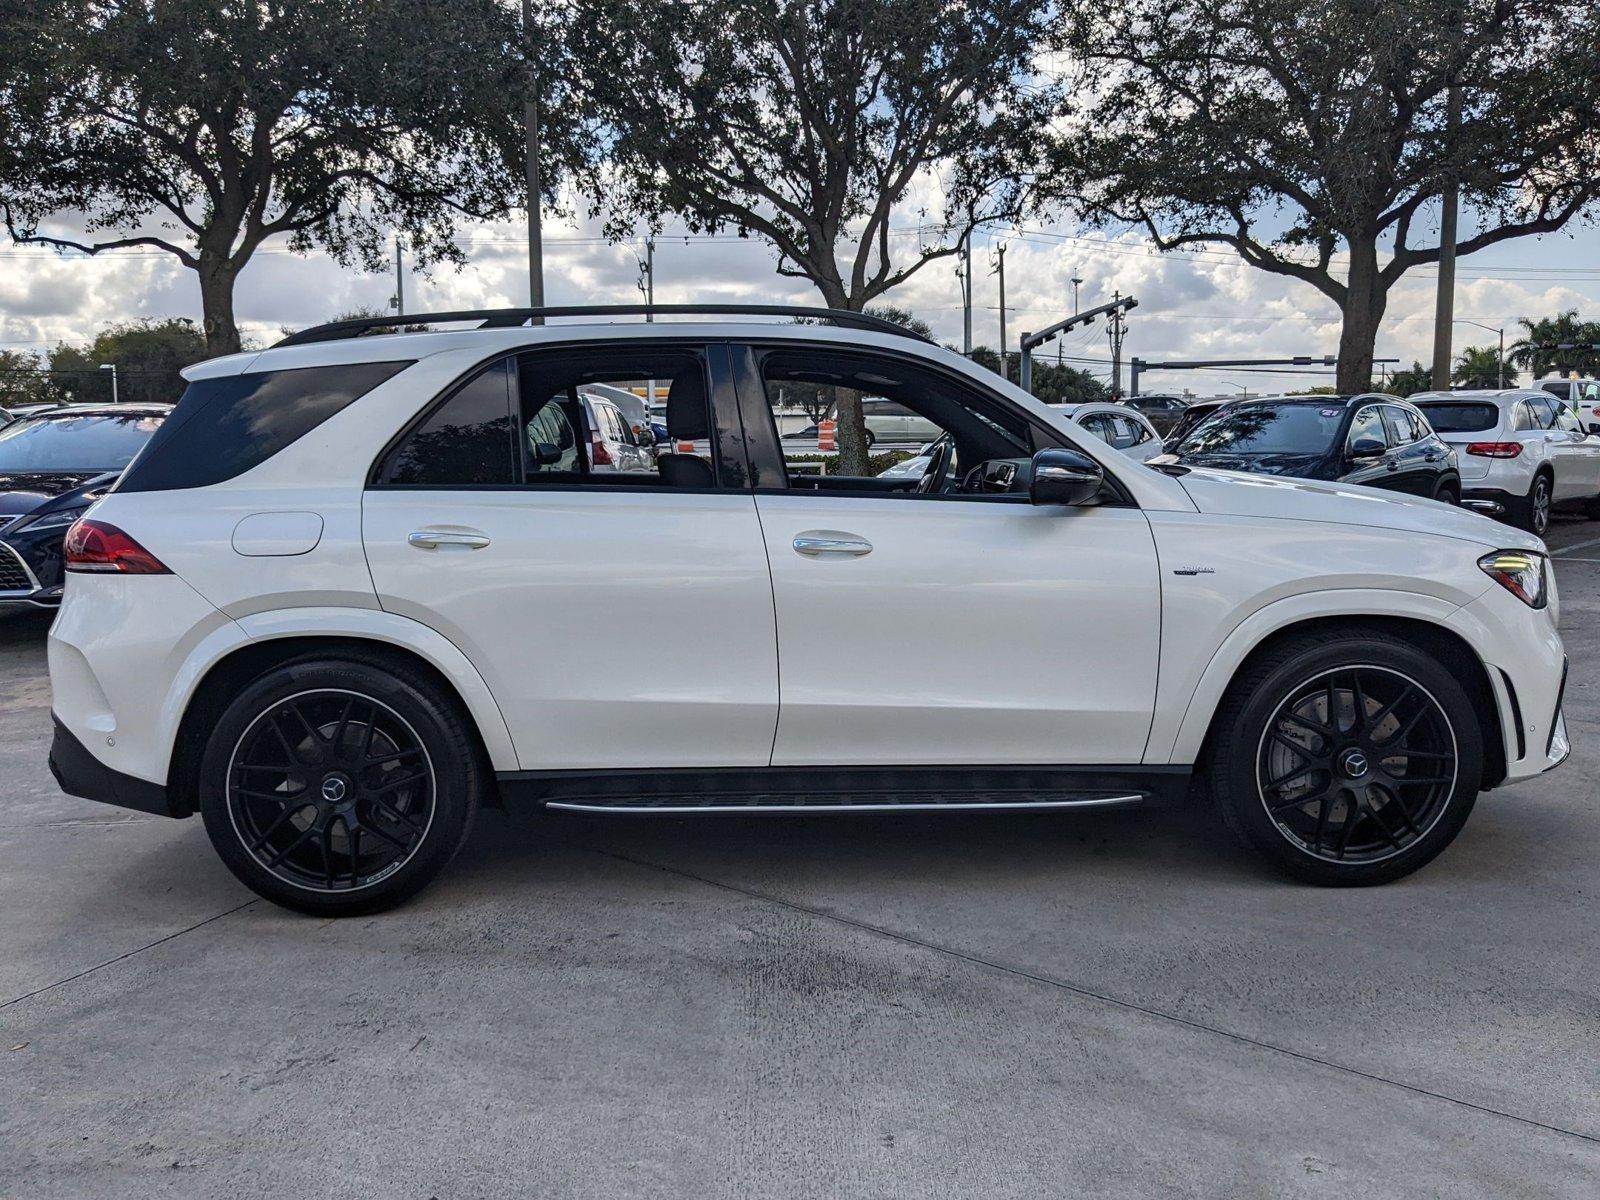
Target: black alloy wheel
{"points": [[1356, 764], [340, 786], [1349, 756], [331, 790]]}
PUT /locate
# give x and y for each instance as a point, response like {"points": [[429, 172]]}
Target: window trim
{"points": [[726, 451]]}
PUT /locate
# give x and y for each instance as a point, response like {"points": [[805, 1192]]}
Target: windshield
{"points": [[97, 442], [1461, 418], [1265, 429]]}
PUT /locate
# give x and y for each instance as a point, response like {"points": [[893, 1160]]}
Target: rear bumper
{"points": [[1493, 501], [82, 774]]}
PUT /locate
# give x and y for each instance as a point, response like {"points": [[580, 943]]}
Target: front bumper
{"points": [[30, 569], [80, 773]]}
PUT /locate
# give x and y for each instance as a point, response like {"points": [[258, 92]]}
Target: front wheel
{"points": [[339, 787], [1349, 761]]}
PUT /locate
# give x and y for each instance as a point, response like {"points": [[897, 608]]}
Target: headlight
{"points": [[59, 519], [1520, 572]]}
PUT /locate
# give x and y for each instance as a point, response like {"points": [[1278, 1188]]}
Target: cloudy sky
{"points": [[1192, 305]]}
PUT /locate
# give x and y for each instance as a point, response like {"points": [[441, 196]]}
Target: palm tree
{"points": [[1562, 329], [1478, 367], [1417, 378]]}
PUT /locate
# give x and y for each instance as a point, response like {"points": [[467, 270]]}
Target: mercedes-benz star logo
{"points": [[1355, 764], [333, 789]]}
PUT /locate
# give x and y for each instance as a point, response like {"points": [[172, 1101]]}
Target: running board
{"points": [[782, 803]]}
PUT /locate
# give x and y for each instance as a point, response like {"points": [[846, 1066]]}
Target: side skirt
{"points": [[845, 789]]}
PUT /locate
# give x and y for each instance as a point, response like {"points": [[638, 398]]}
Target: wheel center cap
{"points": [[335, 788], [1354, 763]]}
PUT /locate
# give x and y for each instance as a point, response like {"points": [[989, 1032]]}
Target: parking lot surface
{"points": [[1000, 1005]]}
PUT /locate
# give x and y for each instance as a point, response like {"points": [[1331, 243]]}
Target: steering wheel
{"points": [[937, 472]]}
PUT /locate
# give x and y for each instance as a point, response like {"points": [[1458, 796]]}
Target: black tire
{"points": [[361, 764], [1448, 492], [1532, 512], [1357, 836]]}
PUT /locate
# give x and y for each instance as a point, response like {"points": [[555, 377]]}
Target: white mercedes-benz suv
{"points": [[356, 587]]}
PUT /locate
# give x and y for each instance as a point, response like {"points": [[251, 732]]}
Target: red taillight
{"points": [[601, 457], [1495, 449], [99, 547]]}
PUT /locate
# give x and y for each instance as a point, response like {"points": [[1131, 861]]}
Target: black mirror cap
{"points": [[1367, 448], [1064, 477]]}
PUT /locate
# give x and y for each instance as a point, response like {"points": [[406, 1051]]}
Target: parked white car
{"points": [[1582, 396], [344, 599], [1120, 427], [1519, 451]]}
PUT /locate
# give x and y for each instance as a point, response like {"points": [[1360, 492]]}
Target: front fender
{"points": [[1178, 738]]}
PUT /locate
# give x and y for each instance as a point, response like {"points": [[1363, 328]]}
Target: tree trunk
{"points": [[217, 275], [1364, 303]]}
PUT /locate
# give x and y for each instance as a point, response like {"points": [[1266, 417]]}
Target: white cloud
{"points": [[1207, 305]]}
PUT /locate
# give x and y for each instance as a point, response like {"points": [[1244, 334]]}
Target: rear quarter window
{"points": [[222, 428]]}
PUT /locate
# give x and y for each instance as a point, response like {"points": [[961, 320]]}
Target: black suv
{"points": [[1372, 439]]}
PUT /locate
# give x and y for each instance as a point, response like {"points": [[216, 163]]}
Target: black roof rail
{"points": [[506, 318]]}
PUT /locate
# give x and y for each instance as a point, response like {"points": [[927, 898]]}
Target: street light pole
{"points": [[112, 367], [1500, 363], [1075, 282]]}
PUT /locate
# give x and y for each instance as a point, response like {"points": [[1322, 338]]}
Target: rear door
{"points": [[1576, 455], [486, 521]]}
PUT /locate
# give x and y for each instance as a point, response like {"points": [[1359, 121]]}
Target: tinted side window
{"points": [[1544, 413], [1368, 426], [1401, 430], [468, 440], [224, 427]]}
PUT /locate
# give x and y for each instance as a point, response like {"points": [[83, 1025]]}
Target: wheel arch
{"points": [[456, 680], [1489, 700]]}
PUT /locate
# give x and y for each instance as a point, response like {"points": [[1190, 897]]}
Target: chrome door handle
{"points": [[826, 544], [443, 539]]}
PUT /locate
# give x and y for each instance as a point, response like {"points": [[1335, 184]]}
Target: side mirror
{"points": [[546, 453], [1367, 447], [1593, 427], [1064, 477]]}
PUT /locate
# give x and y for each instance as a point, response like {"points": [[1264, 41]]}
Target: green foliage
{"points": [[148, 356], [1415, 378], [809, 123], [1480, 367], [206, 127], [1303, 136], [1051, 383], [1565, 328], [24, 380]]}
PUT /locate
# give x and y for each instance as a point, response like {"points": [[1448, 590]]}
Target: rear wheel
{"points": [[339, 787], [1448, 492], [1532, 512], [1346, 762]]}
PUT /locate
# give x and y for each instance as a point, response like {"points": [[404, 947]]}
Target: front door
{"points": [[621, 618], [936, 622]]}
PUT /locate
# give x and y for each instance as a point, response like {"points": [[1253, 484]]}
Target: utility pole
{"points": [[647, 276], [1075, 282], [530, 125], [1445, 305], [399, 301], [1115, 330], [1001, 269], [964, 273]]}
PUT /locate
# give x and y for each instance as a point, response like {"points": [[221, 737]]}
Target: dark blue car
{"points": [[52, 467]]}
